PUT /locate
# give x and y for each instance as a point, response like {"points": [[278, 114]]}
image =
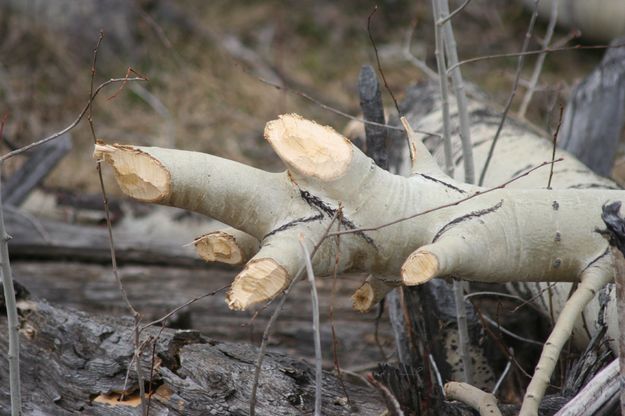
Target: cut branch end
{"points": [[220, 247], [138, 174], [309, 148], [261, 280], [420, 267], [372, 291], [364, 298]]}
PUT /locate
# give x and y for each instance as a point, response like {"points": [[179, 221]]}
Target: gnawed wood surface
{"points": [[75, 363]]}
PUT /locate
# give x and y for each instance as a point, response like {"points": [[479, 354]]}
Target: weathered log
{"points": [[46, 239], [593, 122], [75, 363], [156, 290]]}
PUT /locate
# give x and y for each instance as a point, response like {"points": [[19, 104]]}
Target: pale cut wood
{"points": [[261, 280], [138, 174], [228, 246], [312, 149], [372, 291], [419, 268]]}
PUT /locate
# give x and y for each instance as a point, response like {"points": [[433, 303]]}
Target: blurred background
{"points": [[203, 60]]}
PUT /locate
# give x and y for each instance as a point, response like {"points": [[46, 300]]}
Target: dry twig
{"points": [[527, 98], [515, 85], [276, 313], [317, 335], [11, 308], [109, 226]]}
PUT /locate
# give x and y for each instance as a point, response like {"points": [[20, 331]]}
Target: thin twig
{"points": [[515, 85], [11, 309], [534, 52], [451, 204], [508, 352], [37, 225], [553, 151], [447, 42], [497, 325], [377, 59], [276, 313], [143, 344], [152, 365], [409, 56], [335, 355], [503, 376], [453, 14], [376, 329], [504, 295], [538, 66], [533, 298], [332, 109], [392, 404], [109, 226], [317, 335], [461, 99], [439, 52], [73, 124], [437, 373], [463, 330], [184, 305]]}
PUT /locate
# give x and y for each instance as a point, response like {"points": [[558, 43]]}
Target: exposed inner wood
{"points": [[261, 280], [363, 298], [312, 149], [220, 247], [138, 174], [420, 267]]}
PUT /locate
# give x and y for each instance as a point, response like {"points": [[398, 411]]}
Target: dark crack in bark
{"points": [[466, 217], [448, 185]]}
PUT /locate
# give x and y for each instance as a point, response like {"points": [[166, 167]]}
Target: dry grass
{"points": [[215, 105]]}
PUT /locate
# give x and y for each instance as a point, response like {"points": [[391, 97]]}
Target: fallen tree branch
{"points": [[484, 403]]}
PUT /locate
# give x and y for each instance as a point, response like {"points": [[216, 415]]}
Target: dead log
{"points": [[46, 239], [156, 290], [40, 162], [75, 363]]}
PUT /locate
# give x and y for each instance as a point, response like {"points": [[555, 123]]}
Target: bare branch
{"points": [[528, 53], [515, 85], [527, 98], [317, 335], [11, 310]]}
